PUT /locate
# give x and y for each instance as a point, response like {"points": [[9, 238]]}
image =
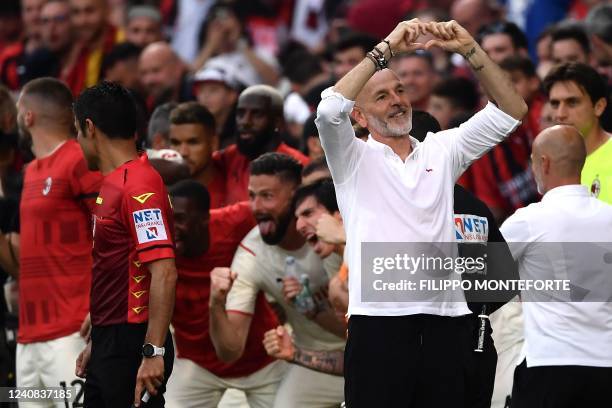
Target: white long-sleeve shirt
{"points": [[383, 199], [566, 236]]}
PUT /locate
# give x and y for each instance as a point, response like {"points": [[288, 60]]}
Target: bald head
{"points": [[473, 14], [160, 69], [558, 155]]}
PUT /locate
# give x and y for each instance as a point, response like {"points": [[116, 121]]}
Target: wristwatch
{"points": [[149, 350]]}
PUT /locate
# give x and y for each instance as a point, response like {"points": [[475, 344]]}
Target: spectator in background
{"points": [[193, 135], [501, 40], [452, 97], [158, 135], [13, 57], [570, 43], [18, 60], [310, 139], [120, 65], [417, 73], [599, 27], [55, 267], [95, 38], [473, 14], [11, 26], [259, 117], [527, 84], [163, 76], [308, 79], [217, 89], [315, 170], [349, 51], [143, 26], [225, 43], [577, 95], [544, 52], [205, 240], [8, 111], [259, 265], [58, 37]]}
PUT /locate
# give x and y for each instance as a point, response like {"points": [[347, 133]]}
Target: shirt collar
{"points": [[388, 150], [565, 191]]}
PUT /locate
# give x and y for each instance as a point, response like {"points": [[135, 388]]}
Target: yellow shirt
{"points": [[597, 172]]}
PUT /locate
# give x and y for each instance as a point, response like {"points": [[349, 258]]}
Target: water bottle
{"points": [[303, 302]]}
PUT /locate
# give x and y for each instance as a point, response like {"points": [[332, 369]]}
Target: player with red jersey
{"points": [[205, 240], [259, 116], [55, 257], [134, 276]]}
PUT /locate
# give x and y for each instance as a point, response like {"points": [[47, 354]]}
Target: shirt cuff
{"points": [[346, 104], [506, 122], [151, 254]]}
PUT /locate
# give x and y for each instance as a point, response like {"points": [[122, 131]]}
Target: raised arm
{"points": [[452, 37], [228, 330], [401, 39]]}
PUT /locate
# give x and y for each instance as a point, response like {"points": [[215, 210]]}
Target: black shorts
{"points": [[417, 361], [116, 354], [561, 387]]}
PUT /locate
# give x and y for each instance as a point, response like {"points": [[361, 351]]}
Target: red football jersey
{"points": [[228, 226], [235, 166], [133, 226], [55, 257]]}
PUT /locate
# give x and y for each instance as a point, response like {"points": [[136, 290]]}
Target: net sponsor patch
{"points": [[471, 228], [149, 225]]}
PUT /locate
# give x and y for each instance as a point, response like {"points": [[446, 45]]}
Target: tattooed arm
{"points": [[329, 362], [278, 344]]}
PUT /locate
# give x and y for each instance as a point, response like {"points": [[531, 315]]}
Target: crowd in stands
{"points": [[227, 93]]}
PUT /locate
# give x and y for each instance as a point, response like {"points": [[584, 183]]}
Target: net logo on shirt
{"points": [[471, 228], [149, 225]]}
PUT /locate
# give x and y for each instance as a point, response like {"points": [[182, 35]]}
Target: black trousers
{"points": [[417, 361], [116, 354], [562, 387]]}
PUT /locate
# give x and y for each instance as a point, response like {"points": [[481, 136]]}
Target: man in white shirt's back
{"points": [[394, 189], [568, 235]]}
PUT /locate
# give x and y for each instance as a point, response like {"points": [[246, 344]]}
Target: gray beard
{"points": [[382, 128]]}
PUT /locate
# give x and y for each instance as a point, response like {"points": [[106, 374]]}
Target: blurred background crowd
{"points": [[177, 56]]}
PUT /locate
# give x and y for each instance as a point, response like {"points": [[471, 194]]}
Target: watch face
{"points": [[147, 350]]}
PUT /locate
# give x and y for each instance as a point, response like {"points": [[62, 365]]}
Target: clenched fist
{"points": [[221, 281], [278, 344]]}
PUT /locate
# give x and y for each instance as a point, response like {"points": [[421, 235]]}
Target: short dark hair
{"points": [[54, 92], [355, 39], [519, 63], [320, 163], [188, 113], [301, 66], [583, 75], [572, 31], [111, 108], [120, 52], [518, 38], [423, 123], [194, 191], [461, 92], [322, 190], [278, 164]]}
